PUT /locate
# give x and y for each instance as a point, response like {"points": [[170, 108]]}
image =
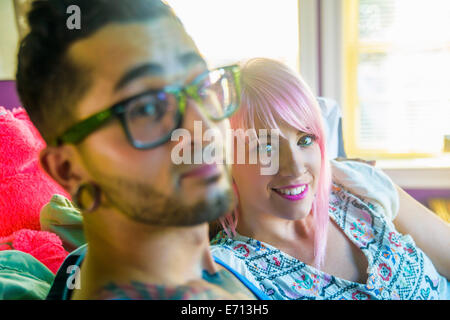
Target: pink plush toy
{"points": [[24, 189]]}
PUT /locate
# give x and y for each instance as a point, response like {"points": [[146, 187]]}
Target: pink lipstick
{"points": [[292, 192]]}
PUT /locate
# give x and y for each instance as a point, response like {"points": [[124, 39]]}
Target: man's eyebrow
{"points": [[191, 58], [138, 72], [154, 69]]}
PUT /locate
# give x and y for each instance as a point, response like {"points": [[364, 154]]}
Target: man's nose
{"points": [[194, 116], [196, 123]]}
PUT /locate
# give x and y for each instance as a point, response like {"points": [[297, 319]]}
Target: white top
{"points": [[372, 183]]}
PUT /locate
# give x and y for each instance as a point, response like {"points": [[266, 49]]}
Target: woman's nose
{"points": [[292, 163]]}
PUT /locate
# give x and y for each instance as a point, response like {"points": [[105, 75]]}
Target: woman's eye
{"points": [[306, 140], [265, 148]]}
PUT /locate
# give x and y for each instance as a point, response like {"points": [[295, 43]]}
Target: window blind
{"points": [[403, 76]]}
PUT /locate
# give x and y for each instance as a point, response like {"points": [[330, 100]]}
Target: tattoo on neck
{"points": [[228, 282], [136, 290], [141, 291]]}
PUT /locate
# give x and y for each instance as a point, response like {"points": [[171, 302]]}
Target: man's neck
{"points": [[134, 252]]}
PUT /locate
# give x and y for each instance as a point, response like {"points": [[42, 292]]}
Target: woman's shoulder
{"points": [[240, 249], [222, 244], [368, 182], [236, 253]]}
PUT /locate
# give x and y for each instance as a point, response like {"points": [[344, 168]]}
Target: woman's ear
{"points": [[61, 164]]}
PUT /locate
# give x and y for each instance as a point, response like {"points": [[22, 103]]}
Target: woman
{"points": [[320, 229]]}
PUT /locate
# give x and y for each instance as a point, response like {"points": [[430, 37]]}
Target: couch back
{"points": [[8, 94]]}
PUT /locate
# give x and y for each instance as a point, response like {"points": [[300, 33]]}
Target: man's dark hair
{"points": [[48, 82]]}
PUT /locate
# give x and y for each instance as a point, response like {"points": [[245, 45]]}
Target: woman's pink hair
{"points": [[271, 91]]}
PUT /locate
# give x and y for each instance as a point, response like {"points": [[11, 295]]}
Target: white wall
{"points": [[8, 40]]}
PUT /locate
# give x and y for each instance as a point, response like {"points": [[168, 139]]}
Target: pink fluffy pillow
{"points": [[44, 246], [24, 187]]}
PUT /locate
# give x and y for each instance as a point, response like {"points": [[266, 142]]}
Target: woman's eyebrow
{"points": [[302, 133]]}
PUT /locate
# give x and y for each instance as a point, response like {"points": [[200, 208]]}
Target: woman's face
{"points": [[290, 192]]}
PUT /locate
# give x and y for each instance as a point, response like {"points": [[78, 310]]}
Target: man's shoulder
{"points": [[221, 286], [136, 290], [60, 289]]}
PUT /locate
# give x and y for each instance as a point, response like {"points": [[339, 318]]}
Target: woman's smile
{"points": [[293, 192]]}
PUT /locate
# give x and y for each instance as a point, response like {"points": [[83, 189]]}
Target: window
{"points": [[8, 43], [227, 31], [396, 77]]}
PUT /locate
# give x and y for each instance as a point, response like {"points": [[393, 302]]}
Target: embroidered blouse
{"points": [[397, 268]]}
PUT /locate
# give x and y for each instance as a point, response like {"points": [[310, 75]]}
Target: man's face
{"points": [[125, 60]]}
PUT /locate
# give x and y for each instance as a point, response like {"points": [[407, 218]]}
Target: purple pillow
{"points": [[8, 94]]}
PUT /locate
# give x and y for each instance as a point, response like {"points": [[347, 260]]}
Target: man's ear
{"points": [[63, 165]]}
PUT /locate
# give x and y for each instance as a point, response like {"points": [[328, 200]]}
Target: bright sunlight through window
{"points": [[230, 30]]}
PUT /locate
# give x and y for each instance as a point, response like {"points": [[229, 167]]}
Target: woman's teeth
{"points": [[292, 191]]}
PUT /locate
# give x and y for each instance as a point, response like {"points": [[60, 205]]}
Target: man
{"points": [[107, 98]]}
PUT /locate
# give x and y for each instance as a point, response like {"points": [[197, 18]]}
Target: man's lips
{"points": [[292, 192], [203, 171]]}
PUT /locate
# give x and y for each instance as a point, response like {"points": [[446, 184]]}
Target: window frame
{"points": [[351, 48]]}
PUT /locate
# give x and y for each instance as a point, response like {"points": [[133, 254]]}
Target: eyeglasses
{"points": [[149, 118]]}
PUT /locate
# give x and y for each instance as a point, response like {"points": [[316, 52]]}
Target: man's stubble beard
{"points": [[145, 204]]}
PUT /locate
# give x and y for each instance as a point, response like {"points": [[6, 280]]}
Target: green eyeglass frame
{"points": [[81, 130]]}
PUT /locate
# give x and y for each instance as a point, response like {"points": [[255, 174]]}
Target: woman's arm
{"points": [[430, 233]]}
